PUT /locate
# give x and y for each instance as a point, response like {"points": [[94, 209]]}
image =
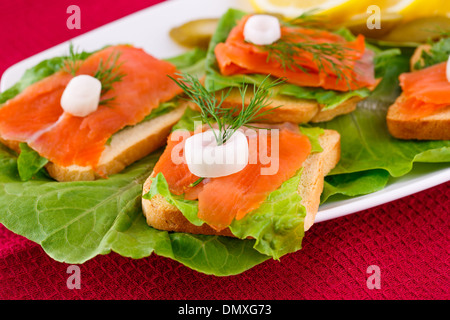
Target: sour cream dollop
{"points": [[262, 29], [81, 95], [206, 159]]}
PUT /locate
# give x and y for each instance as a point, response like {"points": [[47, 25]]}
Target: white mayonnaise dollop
{"points": [[206, 159], [262, 29], [81, 95]]}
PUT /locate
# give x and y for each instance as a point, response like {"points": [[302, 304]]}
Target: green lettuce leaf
{"points": [[277, 225], [163, 108], [187, 121], [75, 221], [29, 162], [224, 27], [354, 184], [438, 53], [191, 62], [313, 134], [329, 98], [189, 208]]}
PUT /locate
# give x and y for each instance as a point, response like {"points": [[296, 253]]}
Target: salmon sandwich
{"points": [[94, 115], [422, 111], [325, 73], [232, 176]]}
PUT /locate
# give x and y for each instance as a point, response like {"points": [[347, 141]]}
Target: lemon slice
{"points": [[332, 10], [412, 9], [358, 24]]}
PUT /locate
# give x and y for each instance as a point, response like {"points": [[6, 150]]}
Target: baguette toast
{"points": [[164, 216], [291, 109], [126, 147], [431, 127]]}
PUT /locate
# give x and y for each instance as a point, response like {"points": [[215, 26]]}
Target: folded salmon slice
{"points": [[177, 175], [33, 110], [236, 56], [426, 91], [35, 116], [220, 200]]}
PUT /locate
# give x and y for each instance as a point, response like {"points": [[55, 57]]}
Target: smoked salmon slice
{"points": [[177, 175], [426, 91], [35, 116], [33, 110], [220, 200], [236, 56]]}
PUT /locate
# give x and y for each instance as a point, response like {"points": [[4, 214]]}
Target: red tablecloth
{"points": [[407, 239]]}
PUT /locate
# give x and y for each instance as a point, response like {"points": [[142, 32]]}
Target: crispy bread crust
{"points": [[433, 127]]}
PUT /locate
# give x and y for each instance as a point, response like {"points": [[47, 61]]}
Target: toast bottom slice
{"points": [[432, 127], [290, 109], [126, 146], [164, 216]]}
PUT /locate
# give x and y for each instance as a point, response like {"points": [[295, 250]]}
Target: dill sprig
{"points": [[108, 71], [72, 62], [228, 120], [196, 182], [289, 54], [437, 32], [288, 51], [307, 19]]}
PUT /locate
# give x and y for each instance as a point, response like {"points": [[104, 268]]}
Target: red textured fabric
{"points": [[407, 239]]}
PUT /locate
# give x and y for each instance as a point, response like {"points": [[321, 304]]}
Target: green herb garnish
{"points": [[196, 182], [437, 53], [73, 61], [107, 71], [29, 162], [287, 52], [228, 120], [308, 19]]}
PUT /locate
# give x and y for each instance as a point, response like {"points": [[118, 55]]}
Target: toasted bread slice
{"points": [[290, 109], [164, 216], [432, 127], [126, 147]]}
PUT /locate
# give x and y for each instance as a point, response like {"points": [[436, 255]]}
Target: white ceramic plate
{"points": [[149, 30]]}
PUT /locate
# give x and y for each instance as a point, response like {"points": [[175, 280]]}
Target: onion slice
{"points": [[206, 159], [81, 95], [262, 29]]}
